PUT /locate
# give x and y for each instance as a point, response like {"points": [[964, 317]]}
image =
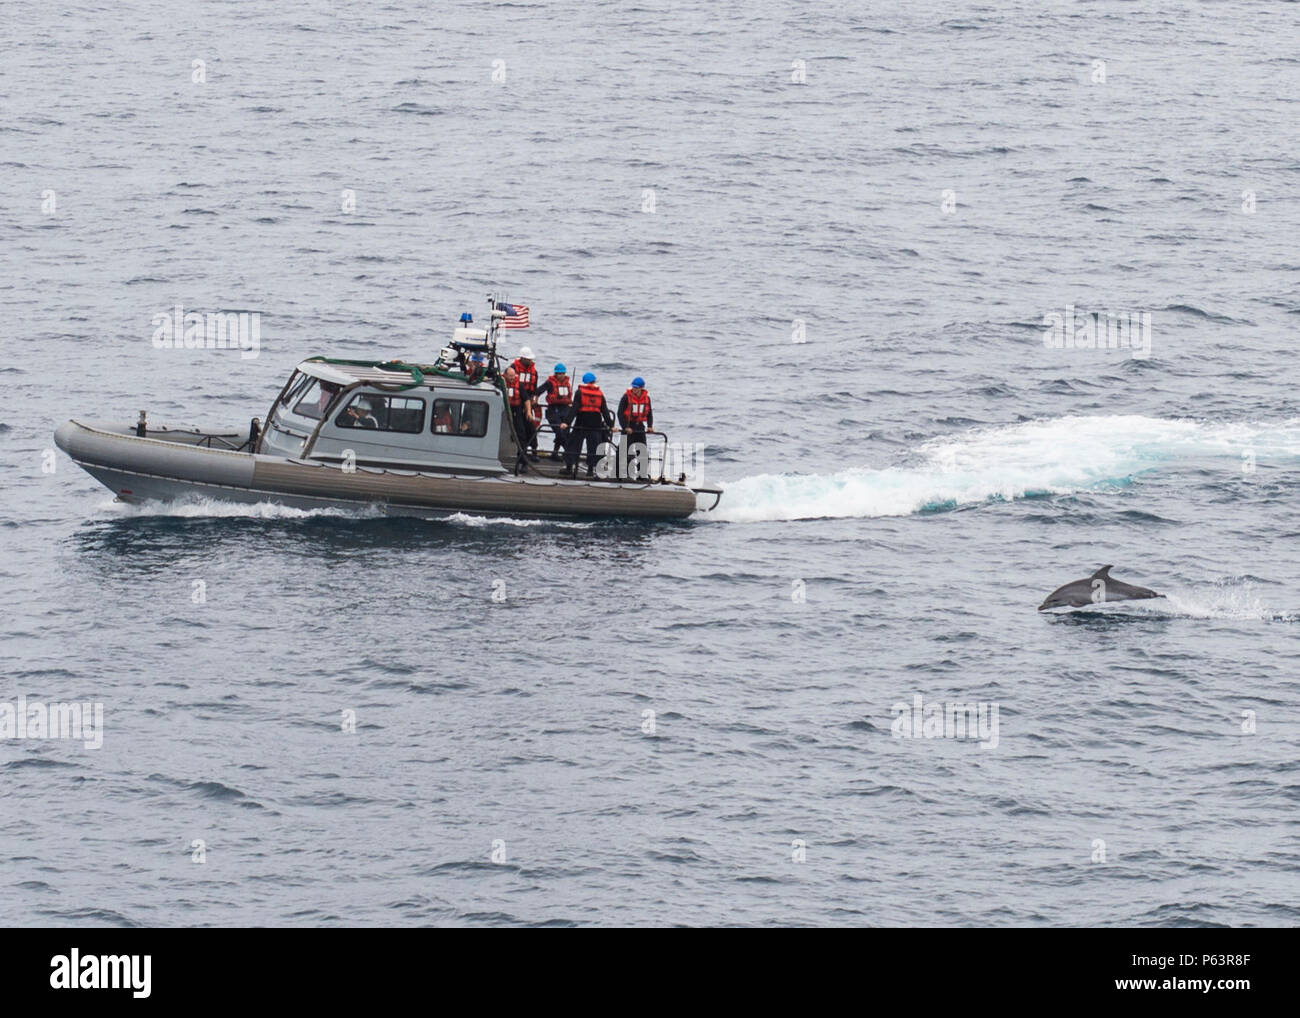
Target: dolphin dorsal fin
{"points": [[1102, 574]]}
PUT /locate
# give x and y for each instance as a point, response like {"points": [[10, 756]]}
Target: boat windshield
{"points": [[315, 400]]}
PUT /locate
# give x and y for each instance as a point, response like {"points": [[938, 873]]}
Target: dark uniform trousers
{"points": [[589, 436], [524, 429], [555, 416], [634, 442]]}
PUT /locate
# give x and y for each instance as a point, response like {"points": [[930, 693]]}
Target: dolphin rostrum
{"points": [[1095, 589]]}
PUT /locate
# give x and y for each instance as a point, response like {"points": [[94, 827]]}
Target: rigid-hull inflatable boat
{"points": [[407, 438]]}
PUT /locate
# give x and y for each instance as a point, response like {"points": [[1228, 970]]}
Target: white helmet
{"points": [[526, 352]]}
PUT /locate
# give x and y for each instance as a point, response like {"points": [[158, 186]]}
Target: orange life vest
{"points": [[513, 389], [559, 394], [589, 399], [638, 407], [527, 376]]}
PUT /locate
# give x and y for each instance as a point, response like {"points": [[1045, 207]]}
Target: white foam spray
{"points": [[1052, 457]]}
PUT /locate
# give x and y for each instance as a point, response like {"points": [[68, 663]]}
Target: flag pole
{"points": [[492, 330]]}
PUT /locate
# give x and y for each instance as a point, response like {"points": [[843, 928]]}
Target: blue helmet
{"points": [[638, 382], [560, 369], [588, 378]]}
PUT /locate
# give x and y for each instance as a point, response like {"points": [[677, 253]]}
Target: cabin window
{"points": [[316, 399], [383, 413], [295, 390], [467, 418]]}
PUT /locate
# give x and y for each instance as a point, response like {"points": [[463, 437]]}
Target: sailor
{"points": [[328, 390], [559, 406], [358, 415], [591, 423], [636, 417], [521, 411], [475, 368], [526, 372]]}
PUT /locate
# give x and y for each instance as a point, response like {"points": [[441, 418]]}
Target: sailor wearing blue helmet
{"points": [[636, 418], [591, 424], [558, 390]]}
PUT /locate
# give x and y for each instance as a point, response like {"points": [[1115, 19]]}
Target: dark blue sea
{"points": [[832, 238]]}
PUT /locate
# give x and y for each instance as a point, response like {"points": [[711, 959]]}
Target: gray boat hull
{"points": [[143, 469]]}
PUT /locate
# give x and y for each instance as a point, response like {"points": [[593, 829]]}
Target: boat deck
{"points": [[549, 468]]}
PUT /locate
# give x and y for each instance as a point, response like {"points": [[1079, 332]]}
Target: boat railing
{"points": [[612, 437], [207, 442]]}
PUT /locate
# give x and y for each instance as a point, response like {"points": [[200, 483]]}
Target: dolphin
{"points": [[1095, 589]]}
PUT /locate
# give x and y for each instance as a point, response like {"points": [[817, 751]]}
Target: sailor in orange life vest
{"points": [[636, 417], [591, 423], [559, 407], [475, 367], [523, 402]]}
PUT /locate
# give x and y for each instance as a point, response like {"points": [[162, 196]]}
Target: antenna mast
{"points": [[494, 323]]}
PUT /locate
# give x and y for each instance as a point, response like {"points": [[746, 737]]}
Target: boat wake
{"points": [[466, 520], [200, 508], [203, 508], [1052, 457]]}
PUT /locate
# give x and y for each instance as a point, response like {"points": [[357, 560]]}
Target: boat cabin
{"points": [[391, 414]]}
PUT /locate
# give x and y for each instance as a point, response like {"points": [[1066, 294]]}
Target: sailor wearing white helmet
{"points": [[523, 401]]}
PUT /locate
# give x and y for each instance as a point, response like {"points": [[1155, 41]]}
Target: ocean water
{"points": [[831, 237]]}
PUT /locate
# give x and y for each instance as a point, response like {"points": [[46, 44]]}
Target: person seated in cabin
{"points": [[358, 415], [473, 419], [442, 423], [328, 390]]}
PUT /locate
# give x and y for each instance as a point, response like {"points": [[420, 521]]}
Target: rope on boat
{"points": [[417, 371]]}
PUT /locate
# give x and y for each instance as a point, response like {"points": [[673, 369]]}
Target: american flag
{"points": [[516, 316]]}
